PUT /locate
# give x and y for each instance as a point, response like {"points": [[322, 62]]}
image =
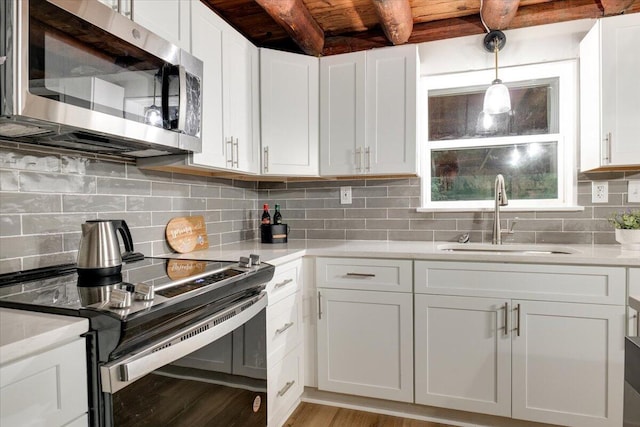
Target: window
{"points": [[532, 146]]}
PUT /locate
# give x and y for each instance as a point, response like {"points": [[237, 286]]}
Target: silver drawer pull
{"points": [[284, 328], [286, 388], [284, 282], [361, 275]]}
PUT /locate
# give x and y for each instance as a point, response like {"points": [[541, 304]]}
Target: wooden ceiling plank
{"points": [[498, 14], [615, 7], [395, 18], [297, 21]]}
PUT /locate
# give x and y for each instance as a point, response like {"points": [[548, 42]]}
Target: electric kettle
{"points": [[99, 251]]}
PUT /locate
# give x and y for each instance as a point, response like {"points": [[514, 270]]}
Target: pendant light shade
{"points": [[496, 98]]}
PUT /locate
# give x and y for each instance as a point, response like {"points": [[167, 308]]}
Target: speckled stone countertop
{"points": [[278, 253], [26, 332]]}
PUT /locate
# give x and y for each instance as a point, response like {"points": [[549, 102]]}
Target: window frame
{"points": [[566, 138]]}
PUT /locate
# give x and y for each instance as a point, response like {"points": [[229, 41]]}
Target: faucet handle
{"points": [[510, 225]]}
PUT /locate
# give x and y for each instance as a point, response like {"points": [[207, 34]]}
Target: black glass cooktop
{"points": [[61, 287]]}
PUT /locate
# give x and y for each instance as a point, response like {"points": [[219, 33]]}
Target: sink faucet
{"points": [[500, 199]]}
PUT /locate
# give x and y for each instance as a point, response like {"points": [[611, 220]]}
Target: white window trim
{"points": [[567, 72]]}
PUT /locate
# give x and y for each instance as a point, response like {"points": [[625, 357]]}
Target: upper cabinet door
{"points": [[342, 113], [289, 113], [240, 101], [609, 94], [207, 29], [391, 117], [167, 18]]}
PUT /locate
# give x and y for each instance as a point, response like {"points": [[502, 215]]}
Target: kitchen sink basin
{"points": [[513, 248]]}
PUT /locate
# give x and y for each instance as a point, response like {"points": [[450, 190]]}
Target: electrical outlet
{"points": [[599, 192], [634, 191], [345, 195]]}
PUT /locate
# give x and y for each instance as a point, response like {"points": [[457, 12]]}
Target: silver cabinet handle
{"points": [[284, 328], [229, 153], [360, 275], [286, 388], [281, 284], [506, 317], [367, 165], [358, 158], [236, 145], [319, 306], [518, 320], [606, 150], [266, 159]]}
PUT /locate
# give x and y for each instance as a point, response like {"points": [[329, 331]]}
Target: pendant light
{"points": [[496, 98]]}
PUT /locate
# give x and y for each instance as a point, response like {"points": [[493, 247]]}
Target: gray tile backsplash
{"points": [[44, 198]]}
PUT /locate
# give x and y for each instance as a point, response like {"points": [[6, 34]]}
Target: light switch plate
{"points": [[634, 191], [345, 195], [599, 192]]}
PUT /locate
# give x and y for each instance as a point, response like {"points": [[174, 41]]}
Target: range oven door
{"points": [[79, 70], [212, 373]]}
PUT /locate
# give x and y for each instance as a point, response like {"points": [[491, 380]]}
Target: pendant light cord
{"points": [[482, 19], [495, 50]]}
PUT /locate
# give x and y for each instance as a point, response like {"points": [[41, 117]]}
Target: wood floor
{"points": [[313, 415]]}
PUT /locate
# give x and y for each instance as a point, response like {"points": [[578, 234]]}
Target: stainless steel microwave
{"points": [[76, 74]]}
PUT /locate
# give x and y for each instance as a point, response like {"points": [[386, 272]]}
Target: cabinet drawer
{"points": [[364, 274], [284, 327], [285, 282], [284, 386], [603, 285], [48, 389]]}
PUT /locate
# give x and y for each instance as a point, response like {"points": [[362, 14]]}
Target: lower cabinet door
{"points": [[568, 363], [463, 353], [365, 343]]}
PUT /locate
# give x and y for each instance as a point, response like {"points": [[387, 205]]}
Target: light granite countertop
{"points": [[25, 332], [278, 253]]}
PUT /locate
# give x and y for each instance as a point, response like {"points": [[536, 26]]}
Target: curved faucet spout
{"points": [[500, 199]]}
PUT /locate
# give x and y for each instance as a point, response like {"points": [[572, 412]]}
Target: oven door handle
{"points": [[127, 369]]}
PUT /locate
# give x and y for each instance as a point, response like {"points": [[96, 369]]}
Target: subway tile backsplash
{"points": [[44, 197]]}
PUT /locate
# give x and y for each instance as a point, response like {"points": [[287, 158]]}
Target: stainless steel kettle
{"points": [[99, 251]]}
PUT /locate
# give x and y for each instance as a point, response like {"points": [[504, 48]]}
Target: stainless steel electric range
{"points": [[165, 337]]}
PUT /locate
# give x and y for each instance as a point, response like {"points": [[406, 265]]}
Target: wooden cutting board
{"points": [[187, 233]]}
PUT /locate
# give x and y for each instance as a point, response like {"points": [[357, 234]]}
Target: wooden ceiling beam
{"points": [[498, 14], [396, 19], [295, 18], [527, 16], [615, 7]]}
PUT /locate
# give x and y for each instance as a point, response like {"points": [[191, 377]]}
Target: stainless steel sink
{"points": [[512, 248]]}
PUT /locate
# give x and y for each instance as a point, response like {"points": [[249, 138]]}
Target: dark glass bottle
{"points": [[277, 216], [266, 216]]}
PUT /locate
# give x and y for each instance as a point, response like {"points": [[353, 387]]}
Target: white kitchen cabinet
{"points": [[169, 19], [284, 341], [463, 354], [47, 389], [289, 113], [364, 327], [365, 343], [368, 112], [609, 94], [230, 126], [557, 357]]}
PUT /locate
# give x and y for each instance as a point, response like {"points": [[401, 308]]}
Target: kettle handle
{"points": [[122, 227]]}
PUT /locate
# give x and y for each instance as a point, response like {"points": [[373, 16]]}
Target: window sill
{"points": [[506, 209]]}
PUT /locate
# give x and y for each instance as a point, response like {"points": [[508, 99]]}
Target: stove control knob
{"points": [[143, 292], [120, 298], [255, 259], [244, 262]]}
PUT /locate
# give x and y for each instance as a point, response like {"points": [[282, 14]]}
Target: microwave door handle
{"points": [[182, 109], [122, 372], [166, 71]]}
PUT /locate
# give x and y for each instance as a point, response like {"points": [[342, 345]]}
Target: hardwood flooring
{"points": [[313, 415]]}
